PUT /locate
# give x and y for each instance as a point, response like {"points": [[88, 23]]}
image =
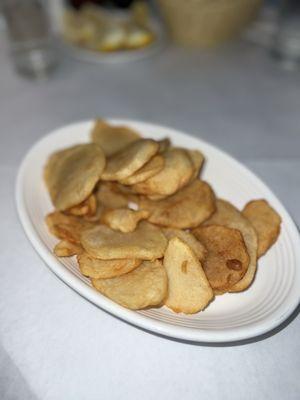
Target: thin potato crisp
{"points": [[146, 286]]}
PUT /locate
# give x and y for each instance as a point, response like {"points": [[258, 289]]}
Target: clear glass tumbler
{"points": [[31, 42], [286, 43]]}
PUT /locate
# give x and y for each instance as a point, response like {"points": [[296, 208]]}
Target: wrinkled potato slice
{"points": [[266, 223], [185, 209], [189, 290], [176, 173], [123, 219], [67, 249], [189, 239], [227, 259], [71, 174], [197, 159], [67, 227], [108, 197], [226, 214], [164, 145], [129, 160], [112, 138], [143, 287], [87, 208], [150, 169], [103, 269], [147, 242]]}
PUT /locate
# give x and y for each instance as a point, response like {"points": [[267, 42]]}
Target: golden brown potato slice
{"points": [[227, 259], [189, 290], [143, 287], [67, 249], [103, 269], [185, 209], [112, 138], [176, 173], [72, 174], [67, 227], [108, 197], [129, 160], [197, 159], [226, 214], [147, 242], [150, 169], [266, 222], [164, 145], [87, 208], [124, 219], [189, 239]]}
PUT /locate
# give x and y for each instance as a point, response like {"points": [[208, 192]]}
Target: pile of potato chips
{"points": [[145, 228]]}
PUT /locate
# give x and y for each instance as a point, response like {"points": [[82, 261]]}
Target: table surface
{"points": [[55, 345]]}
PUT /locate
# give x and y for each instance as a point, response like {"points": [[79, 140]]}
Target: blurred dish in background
{"points": [[206, 23], [109, 31]]}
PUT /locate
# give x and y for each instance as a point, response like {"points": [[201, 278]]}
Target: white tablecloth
{"points": [[54, 344]]}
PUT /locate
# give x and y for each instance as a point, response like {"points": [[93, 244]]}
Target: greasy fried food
{"points": [[227, 259], [103, 269], [129, 160], [112, 138], [108, 197], [164, 144], [67, 249], [67, 227], [176, 173], [185, 209], [189, 289], [266, 223], [87, 208], [189, 239], [124, 219], [145, 286], [226, 214], [72, 174], [147, 242], [197, 159], [150, 169]]}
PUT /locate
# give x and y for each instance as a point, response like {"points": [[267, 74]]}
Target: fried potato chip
{"points": [[67, 249], [67, 227], [103, 269], [197, 160], [189, 239], [266, 223], [145, 286], [87, 208], [185, 209], [108, 197], [150, 169], [124, 219], [71, 174], [189, 289], [227, 259], [226, 214], [112, 138], [129, 160], [176, 173], [147, 242], [164, 145]]}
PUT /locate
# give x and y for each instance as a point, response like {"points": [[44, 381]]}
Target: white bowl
{"points": [[267, 303]]}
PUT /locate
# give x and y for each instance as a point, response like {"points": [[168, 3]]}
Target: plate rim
{"points": [[147, 323]]}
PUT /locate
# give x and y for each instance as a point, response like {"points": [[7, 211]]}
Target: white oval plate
{"points": [[268, 302]]}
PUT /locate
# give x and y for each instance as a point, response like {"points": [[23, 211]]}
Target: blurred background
{"points": [[223, 70]]}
